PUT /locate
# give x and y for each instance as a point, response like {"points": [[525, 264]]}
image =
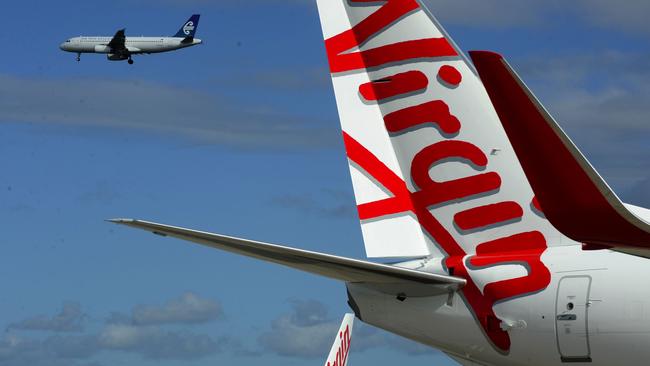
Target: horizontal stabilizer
{"points": [[572, 195], [386, 278]]}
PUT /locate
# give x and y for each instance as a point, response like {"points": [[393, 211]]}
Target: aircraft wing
{"points": [[118, 43], [571, 193], [385, 278]]}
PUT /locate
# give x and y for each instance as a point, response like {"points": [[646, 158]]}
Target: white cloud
{"points": [[146, 333], [306, 332], [69, 319], [156, 343], [602, 100], [187, 309], [157, 108]]}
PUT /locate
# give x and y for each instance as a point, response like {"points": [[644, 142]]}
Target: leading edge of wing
{"points": [[573, 196], [384, 277]]}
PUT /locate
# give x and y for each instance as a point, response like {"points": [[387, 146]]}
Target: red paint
{"points": [[536, 204], [483, 216], [386, 15], [434, 193], [401, 201], [343, 350], [523, 251], [571, 200], [435, 112], [450, 75], [392, 86], [525, 248]]}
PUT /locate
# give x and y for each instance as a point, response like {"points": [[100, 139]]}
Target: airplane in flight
{"points": [[508, 247], [120, 47]]}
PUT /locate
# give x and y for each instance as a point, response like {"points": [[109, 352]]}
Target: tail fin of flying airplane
{"points": [[586, 209], [341, 348], [188, 30], [433, 171]]}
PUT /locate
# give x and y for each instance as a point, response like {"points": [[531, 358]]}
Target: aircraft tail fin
{"points": [[188, 30], [432, 169], [341, 348]]}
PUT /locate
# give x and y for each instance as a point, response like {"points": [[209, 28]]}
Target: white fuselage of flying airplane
{"points": [[120, 47], [134, 45]]}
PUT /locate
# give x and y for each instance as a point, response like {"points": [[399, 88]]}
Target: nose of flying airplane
{"points": [[65, 45]]}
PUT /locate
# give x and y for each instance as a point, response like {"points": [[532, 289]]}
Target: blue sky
{"points": [[239, 136]]}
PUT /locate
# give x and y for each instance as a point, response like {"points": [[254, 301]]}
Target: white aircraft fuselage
{"points": [[135, 45], [613, 328], [120, 47]]}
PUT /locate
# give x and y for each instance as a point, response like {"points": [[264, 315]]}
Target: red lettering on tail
{"points": [[524, 248], [435, 112], [389, 13], [401, 200], [434, 193], [396, 85]]}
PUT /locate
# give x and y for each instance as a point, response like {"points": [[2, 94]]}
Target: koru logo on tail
{"points": [[188, 28]]}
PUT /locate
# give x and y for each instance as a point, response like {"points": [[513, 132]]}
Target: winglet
{"points": [[573, 196], [341, 348]]}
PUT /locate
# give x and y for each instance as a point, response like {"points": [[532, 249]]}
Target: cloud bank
{"points": [[145, 333]]}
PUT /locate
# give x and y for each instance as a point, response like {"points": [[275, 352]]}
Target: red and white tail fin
{"points": [[434, 173], [433, 170], [341, 348]]}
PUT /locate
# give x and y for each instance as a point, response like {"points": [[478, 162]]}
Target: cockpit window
{"points": [[68, 41]]}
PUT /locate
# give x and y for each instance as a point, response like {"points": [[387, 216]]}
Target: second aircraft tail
{"points": [[188, 30]]}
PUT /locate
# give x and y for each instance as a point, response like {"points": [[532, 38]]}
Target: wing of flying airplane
{"points": [[571, 193], [341, 348], [385, 278], [118, 43]]}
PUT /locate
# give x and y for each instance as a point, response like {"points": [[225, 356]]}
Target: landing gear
{"points": [[78, 57], [130, 61]]}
